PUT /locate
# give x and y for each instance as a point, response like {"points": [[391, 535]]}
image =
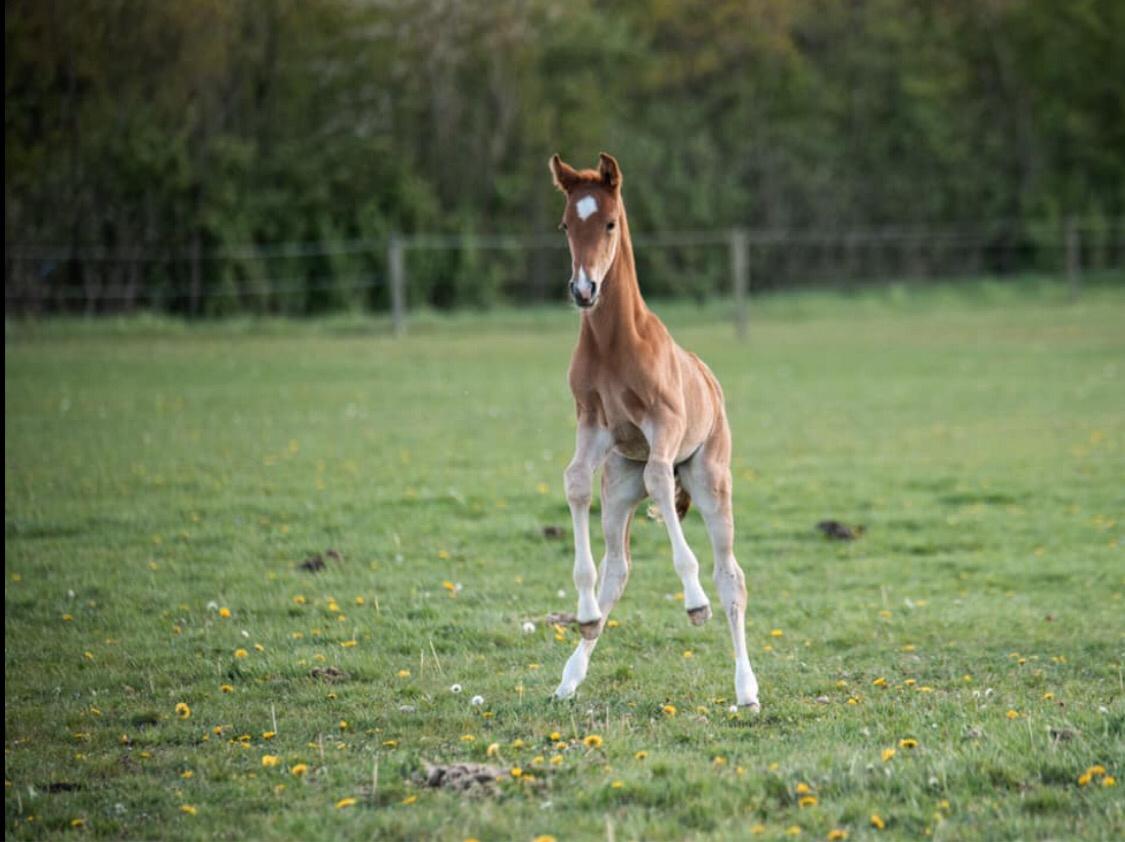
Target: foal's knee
{"points": [[730, 582], [579, 481]]}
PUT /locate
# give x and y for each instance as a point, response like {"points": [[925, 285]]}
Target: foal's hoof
{"points": [[590, 630], [700, 615]]}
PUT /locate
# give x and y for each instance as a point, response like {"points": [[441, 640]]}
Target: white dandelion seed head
{"points": [[733, 709], [212, 606], [476, 701], [245, 634], [528, 627], [562, 593], [456, 688]]}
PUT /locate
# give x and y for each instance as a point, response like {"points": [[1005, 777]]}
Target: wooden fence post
{"points": [[396, 272], [740, 277], [1073, 259]]}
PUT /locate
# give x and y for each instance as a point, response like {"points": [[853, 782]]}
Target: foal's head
{"points": [[592, 221]]}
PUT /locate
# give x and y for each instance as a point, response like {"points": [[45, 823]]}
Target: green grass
{"points": [[152, 471]]}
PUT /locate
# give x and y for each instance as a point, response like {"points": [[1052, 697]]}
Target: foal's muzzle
{"points": [[584, 300]]}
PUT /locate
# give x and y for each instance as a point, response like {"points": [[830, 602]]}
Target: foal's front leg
{"points": [[593, 443]]}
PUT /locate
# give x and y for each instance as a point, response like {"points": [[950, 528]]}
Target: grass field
{"points": [[954, 673]]}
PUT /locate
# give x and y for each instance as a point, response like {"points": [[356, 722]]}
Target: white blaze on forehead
{"points": [[586, 206]]}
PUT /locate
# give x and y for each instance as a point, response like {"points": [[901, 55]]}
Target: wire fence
{"points": [[396, 272]]}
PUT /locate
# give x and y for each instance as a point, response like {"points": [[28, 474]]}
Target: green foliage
{"points": [[179, 129]]}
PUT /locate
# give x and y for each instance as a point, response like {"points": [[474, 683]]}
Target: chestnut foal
{"points": [[652, 415]]}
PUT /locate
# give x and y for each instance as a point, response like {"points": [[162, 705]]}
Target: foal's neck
{"points": [[620, 313]]}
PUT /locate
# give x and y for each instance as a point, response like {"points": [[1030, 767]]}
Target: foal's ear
{"points": [[565, 175], [610, 171]]}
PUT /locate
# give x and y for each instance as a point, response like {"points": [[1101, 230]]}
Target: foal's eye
{"points": [[609, 226], [562, 226]]}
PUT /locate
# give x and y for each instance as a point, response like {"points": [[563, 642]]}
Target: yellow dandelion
{"points": [[345, 802], [187, 774], [802, 788], [467, 738], [556, 759], [68, 618], [1096, 769], [226, 688], [880, 682], [410, 799], [240, 653], [224, 613], [404, 673], [1048, 696], [852, 700], [888, 753], [344, 725], [793, 830], [612, 624], [259, 647], [298, 769], [448, 585], [515, 772], [910, 682], [688, 653], [390, 743], [719, 760], [1085, 778], [493, 750], [359, 600], [668, 710], [777, 633], [640, 755], [270, 760], [1013, 714], [617, 785], [1109, 780], [592, 741], [183, 711], [908, 742], [189, 809], [544, 837], [807, 801], [518, 743], [299, 599], [269, 735], [348, 644], [877, 821], [537, 760], [836, 834], [555, 736]]}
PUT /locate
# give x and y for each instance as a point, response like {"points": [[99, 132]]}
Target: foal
{"points": [[652, 415]]}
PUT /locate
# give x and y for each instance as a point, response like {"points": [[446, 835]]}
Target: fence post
{"points": [[396, 272], [740, 277], [1073, 259]]}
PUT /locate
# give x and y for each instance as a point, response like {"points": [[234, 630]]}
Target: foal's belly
{"points": [[630, 442]]}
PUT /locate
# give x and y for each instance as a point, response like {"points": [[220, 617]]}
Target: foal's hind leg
{"points": [[622, 488], [660, 482], [706, 476]]}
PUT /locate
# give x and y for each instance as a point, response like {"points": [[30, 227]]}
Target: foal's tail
{"points": [[683, 503], [683, 500]]}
